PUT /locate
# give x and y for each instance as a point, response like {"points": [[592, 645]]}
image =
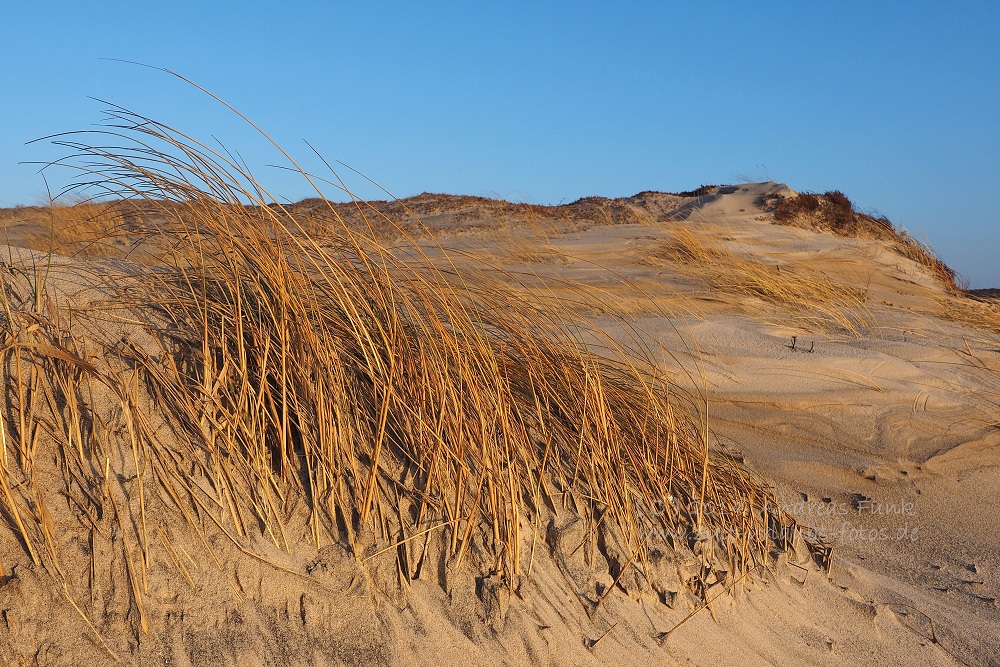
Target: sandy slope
{"points": [[883, 439], [886, 443]]}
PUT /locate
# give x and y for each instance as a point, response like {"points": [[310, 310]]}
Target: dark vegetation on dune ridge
{"points": [[484, 211], [834, 212], [258, 387], [386, 219]]}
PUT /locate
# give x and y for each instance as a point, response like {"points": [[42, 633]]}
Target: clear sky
{"points": [[897, 104]]}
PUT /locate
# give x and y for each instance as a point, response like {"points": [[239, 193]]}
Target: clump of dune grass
{"points": [[834, 212], [813, 299], [73, 229], [395, 399], [979, 313]]}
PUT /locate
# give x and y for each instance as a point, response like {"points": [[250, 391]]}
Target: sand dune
{"points": [[838, 369]]}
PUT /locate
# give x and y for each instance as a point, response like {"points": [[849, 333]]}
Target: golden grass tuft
{"points": [[390, 397], [813, 299]]}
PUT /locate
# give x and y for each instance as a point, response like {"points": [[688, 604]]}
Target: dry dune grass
{"points": [[813, 299], [73, 229], [391, 402], [979, 313], [834, 212]]}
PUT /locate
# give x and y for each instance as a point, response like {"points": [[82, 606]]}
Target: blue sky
{"points": [[897, 104]]}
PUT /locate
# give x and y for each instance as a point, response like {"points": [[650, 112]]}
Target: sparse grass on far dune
{"points": [[982, 314], [83, 229], [810, 298], [392, 400], [835, 213]]}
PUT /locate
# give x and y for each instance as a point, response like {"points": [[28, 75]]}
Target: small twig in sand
{"points": [[933, 634], [662, 637], [592, 643]]}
